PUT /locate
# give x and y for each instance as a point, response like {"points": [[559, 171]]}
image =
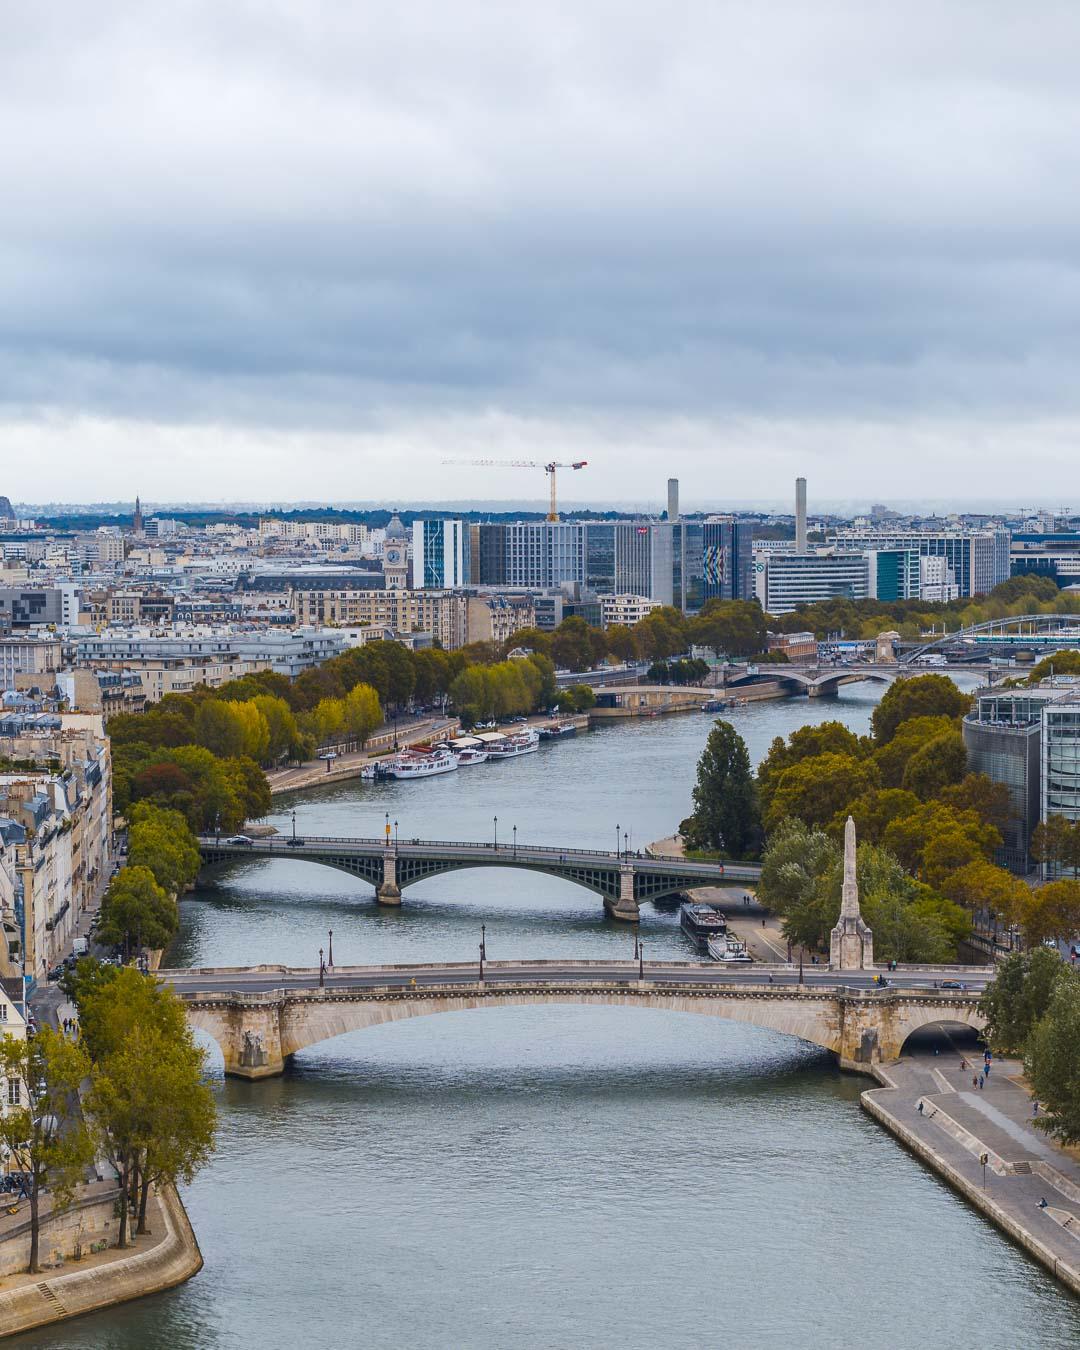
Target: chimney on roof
{"points": [[800, 515]]}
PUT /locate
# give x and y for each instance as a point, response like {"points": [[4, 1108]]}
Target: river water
{"points": [[554, 1177]]}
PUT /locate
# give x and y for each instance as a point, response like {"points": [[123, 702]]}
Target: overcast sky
{"points": [[292, 249]]}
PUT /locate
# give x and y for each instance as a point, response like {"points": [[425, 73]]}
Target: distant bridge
{"points": [[624, 879], [261, 1015], [1043, 632]]}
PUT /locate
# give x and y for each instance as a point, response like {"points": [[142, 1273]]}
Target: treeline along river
{"points": [[555, 1177]]}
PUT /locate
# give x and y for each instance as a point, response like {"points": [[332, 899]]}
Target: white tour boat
{"points": [[421, 763], [524, 742]]}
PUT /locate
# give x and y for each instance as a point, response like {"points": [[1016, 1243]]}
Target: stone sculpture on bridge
{"points": [[852, 943]]}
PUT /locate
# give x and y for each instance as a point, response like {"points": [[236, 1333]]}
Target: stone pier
{"points": [[389, 892], [626, 907]]}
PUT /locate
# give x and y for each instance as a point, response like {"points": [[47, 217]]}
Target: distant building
{"points": [[441, 555], [626, 610]]}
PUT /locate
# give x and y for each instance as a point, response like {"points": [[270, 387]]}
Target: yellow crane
{"points": [[549, 469]]}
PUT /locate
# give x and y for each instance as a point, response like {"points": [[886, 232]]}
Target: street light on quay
{"points": [[388, 827], [496, 820], [626, 844], [294, 826], [641, 959], [515, 841], [395, 834], [617, 839], [330, 962], [483, 949], [322, 968]]}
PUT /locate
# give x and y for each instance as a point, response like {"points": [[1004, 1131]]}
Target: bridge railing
{"points": [[479, 846]]}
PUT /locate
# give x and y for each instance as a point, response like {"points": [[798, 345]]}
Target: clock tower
{"points": [[396, 555]]}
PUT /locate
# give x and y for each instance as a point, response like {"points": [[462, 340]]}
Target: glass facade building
{"points": [[441, 555]]}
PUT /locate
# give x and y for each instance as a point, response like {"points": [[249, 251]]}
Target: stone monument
{"points": [[852, 943]]}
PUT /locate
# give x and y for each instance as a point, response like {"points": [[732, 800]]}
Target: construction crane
{"points": [[549, 469]]}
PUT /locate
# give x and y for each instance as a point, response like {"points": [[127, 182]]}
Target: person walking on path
{"points": [[982, 1081], [1034, 1109], [974, 1081]]}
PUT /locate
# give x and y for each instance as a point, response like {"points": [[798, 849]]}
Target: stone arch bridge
{"points": [[623, 879], [262, 1015]]}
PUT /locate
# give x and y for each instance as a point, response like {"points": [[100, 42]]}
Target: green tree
{"points": [[979, 885], [819, 788], [1050, 1061], [873, 812], [725, 816], [935, 840], [1057, 663], [794, 861], [804, 743], [137, 912], [219, 729], [661, 634], [940, 763], [1055, 841], [39, 1129], [920, 696], [362, 712], [910, 737], [1018, 996], [162, 840], [571, 645], [1051, 911], [622, 642], [729, 627], [978, 792]]}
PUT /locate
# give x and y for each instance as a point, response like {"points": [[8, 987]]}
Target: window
{"points": [[14, 1092], [3, 1012]]}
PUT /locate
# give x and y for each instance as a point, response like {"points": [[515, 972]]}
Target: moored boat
{"points": [[701, 922], [524, 742], [421, 762]]}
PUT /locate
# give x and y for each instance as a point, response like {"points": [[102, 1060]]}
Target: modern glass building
{"points": [[1003, 737], [786, 580], [1061, 757], [979, 558], [441, 555]]}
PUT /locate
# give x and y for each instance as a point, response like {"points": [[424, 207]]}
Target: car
{"points": [[950, 984], [296, 842], [238, 839]]}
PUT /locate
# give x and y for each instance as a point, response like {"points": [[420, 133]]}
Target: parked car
{"points": [[238, 839]]}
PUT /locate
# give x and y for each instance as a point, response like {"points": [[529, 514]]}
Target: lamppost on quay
{"points": [[322, 969], [626, 844], [617, 854], [515, 841], [387, 829], [294, 826], [330, 961], [395, 834], [483, 949], [496, 820], [641, 959]]}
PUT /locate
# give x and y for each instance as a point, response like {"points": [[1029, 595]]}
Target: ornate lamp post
{"points": [[496, 820], [330, 962]]}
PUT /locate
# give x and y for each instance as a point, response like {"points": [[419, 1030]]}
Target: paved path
{"points": [[959, 1122], [315, 772]]}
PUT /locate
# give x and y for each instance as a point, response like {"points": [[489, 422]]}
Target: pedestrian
{"points": [[982, 1081], [974, 1081], [987, 1056], [986, 1068], [1042, 1203], [963, 1066], [1034, 1108], [763, 923], [920, 1106]]}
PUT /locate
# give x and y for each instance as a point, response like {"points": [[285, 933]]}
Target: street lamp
{"points": [[641, 959], [626, 844], [388, 829], [800, 964], [330, 963], [483, 950], [515, 841], [294, 826], [496, 820], [395, 834], [616, 839], [322, 968]]}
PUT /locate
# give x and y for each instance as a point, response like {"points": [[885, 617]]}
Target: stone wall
{"points": [[89, 1220]]}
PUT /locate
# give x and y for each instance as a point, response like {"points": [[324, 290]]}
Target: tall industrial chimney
{"points": [[800, 515], [672, 499]]}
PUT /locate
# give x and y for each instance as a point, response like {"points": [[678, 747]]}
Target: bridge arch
{"points": [[1043, 629], [258, 1032]]}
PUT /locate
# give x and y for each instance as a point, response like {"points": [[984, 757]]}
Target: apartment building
{"points": [[443, 614]]}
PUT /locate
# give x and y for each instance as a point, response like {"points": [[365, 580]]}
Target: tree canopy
{"points": [[725, 818]]}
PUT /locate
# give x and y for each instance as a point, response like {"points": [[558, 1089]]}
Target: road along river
{"points": [[555, 1177]]}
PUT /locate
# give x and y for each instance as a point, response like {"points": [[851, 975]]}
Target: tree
{"points": [[661, 634], [39, 1128], [940, 763], [794, 861], [152, 1113], [362, 712], [979, 885], [1057, 663], [873, 812], [571, 645], [978, 792], [1050, 1061], [1055, 841], [825, 738], [921, 696], [725, 817], [1018, 996], [731, 627], [819, 788], [622, 642], [219, 729], [1051, 911], [161, 840], [136, 911], [910, 737], [936, 837]]}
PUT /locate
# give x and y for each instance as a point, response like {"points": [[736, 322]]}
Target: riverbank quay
{"points": [[166, 1256], [347, 766], [960, 1123]]}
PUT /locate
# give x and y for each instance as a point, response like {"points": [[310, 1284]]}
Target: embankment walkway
{"points": [[959, 1123]]}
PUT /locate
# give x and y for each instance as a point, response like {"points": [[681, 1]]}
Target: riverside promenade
{"points": [[960, 1123], [349, 765]]}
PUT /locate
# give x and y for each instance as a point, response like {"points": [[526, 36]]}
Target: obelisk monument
{"points": [[852, 944]]}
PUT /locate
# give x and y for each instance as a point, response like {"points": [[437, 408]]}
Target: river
{"points": [[555, 1177]]}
